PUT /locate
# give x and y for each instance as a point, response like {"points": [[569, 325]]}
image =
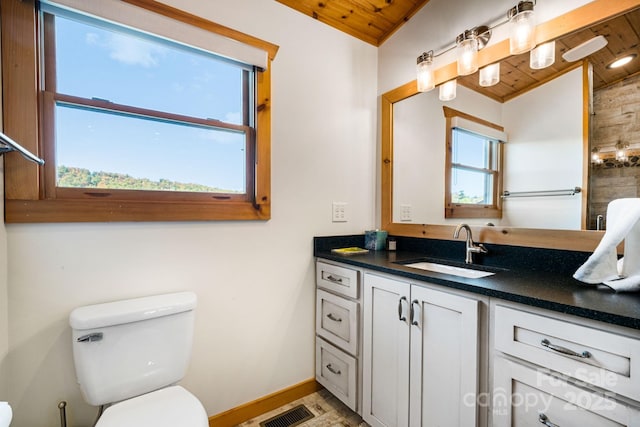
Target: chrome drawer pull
{"points": [[333, 371], [334, 279], [334, 318], [401, 316], [544, 420], [584, 355]]}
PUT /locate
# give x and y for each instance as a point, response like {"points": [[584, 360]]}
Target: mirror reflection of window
{"points": [[473, 166]]}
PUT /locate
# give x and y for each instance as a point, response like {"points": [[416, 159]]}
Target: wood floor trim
{"points": [[264, 404]]}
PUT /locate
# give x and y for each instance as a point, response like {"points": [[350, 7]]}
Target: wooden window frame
{"points": [[30, 191], [463, 210]]}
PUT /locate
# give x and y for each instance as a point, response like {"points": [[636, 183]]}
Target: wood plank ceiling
{"points": [[516, 77], [373, 21]]}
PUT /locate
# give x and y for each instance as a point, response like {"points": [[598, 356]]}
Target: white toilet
{"points": [[129, 355]]}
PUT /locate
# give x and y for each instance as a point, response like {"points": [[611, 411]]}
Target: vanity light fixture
{"points": [[448, 90], [468, 43], [622, 61], [467, 53], [543, 55], [522, 31], [490, 75], [467, 46], [426, 79], [621, 151], [595, 156]]}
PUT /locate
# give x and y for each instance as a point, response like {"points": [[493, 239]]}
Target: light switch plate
{"points": [[405, 212], [339, 212]]}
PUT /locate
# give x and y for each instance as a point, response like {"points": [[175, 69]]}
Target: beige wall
{"points": [[255, 280]]}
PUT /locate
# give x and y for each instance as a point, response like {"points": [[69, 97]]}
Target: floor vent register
{"points": [[289, 418]]}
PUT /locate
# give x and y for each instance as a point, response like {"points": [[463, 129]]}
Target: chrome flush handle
{"points": [[95, 336]]}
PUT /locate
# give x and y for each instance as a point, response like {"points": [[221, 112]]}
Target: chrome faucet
{"points": [[471, 246]]}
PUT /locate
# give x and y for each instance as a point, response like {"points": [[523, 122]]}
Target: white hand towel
{"points": [[623, 217], [5, 414]]}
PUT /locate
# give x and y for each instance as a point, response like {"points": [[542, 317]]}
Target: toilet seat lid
{"points": [[167, 407]]}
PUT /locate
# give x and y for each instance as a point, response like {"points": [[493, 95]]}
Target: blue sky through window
{"points": [[470, 149], [93, 62]]}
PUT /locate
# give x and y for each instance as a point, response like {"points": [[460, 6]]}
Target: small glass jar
{"points": [[391, 244]]}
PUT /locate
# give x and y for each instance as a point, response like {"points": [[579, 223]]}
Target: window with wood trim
{"points": [[473, 168], [132, 126]]}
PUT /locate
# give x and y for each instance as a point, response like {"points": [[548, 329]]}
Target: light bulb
{"points": [[448, 90], [522, 32], [543, 56], [467, 53], [426, 79], [490, 75]]}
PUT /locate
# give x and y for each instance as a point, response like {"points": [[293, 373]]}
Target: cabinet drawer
{"points": [[337, 320], [337, 372], [339, 279], [526, 397], [596, 357]]}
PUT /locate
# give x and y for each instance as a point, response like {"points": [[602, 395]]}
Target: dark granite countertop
{"points": [[531, 276]]}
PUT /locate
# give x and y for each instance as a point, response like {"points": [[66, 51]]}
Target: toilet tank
{"points": [[127, 348]]}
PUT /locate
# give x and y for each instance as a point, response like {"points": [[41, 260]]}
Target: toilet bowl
{"points": [[130, 354], [170, 406], [5, 414]]}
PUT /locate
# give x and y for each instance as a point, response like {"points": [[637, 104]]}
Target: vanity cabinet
{"points": [[405, 353], [421, 355], [338, 331], [550, 371]]}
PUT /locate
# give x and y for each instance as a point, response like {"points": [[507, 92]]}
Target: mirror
{"points": [[400, 104], [542, 152]]}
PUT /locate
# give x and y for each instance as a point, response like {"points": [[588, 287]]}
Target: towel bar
{"points": [[9, 144], [541, 193]]}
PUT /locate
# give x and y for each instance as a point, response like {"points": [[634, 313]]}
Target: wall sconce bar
{"points": [[9, 144], [468, 44], [542, 193]]}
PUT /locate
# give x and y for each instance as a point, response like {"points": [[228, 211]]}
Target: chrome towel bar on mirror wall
{"points": [[7, 144], [542, 193]]}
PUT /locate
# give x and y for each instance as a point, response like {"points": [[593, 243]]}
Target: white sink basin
{"points": [[447, 269]]}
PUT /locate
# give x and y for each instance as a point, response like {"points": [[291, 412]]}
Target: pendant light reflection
{"points": [[522, 32], [426, 79], [621, 151], [448, 90], [543, 55], [490, 75]]}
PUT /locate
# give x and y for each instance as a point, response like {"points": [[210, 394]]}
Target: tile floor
{"points": [[328, 411]]}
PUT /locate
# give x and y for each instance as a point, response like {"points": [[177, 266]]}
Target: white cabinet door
{"points": [[420, 356], [444, 359], [385, 400]]}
